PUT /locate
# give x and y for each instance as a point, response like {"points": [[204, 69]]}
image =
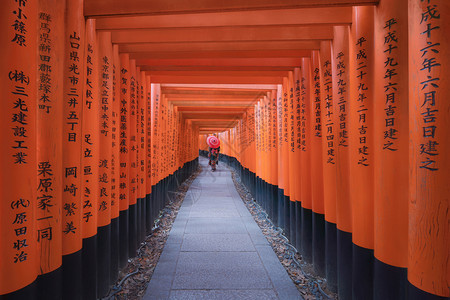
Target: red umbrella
{"points": [[212, 141]]}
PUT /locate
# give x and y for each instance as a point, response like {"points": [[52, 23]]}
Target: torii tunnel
{"points": [[335, 114]]}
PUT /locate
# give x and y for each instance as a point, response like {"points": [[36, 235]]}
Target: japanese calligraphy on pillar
{"points": [[362, 90], [133, 144], [149, 136], [341, 86], [274, 119], [89, 187], [241, 137], [49, 162], [20, 126], [166, 137], [155, 154], [49, 106], [105, 96], [285, 116], [20, 121], [162, 136], [244, 131], [251, 126], [429, 86], [123, 140], [72, 130], [20, 229], [104, 163], [328, 110], [390, 76], [138, 132], [258, 127], [169, 133], [298, 108], [170, 137], [317, 106], [303, 104], [45, 56], [292, 118], [263, 125], [20, 24], [20, 88], [114, 139], [72, 117], [45, 197], [142, 108], [280, 118]]}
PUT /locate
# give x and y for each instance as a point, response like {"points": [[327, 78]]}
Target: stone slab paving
{"points": [[215, 249]]}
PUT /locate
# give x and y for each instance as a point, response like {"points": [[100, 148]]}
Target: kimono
{"points": [[213, 154]]}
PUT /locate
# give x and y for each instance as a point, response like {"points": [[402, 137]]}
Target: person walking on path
{"points": [[214, 149], [213, 157]]}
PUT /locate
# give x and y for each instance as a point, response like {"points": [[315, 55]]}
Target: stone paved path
{"points": [[215, 249]]}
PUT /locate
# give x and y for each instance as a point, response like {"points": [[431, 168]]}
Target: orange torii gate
{"points": [[334, 113]]}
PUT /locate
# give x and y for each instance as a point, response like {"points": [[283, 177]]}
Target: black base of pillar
{"points": [[123, 238], [331, 256], [153, 208], [362, 273], [72, 287], [390, 283], [160, 195], [148, 214], [114, 250], [89, 267], [132, 230], [274, 214], [252, 178], [142, 223], [103, 260], [258, 192], [49, 286], [293, 223], [287, 216], [269, 197], [266, 197], [164, 193], [306, 234], [138, 221], [262, 195], [281, 204], [298, 226], [344, 264], [318, 243]]}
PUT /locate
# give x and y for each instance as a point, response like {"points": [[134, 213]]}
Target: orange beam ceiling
{"points": [[154, 46], [220, 54], [209, 34], [304, 16], [287, 62], [137, 7], [215, 79], [211, 108], [220, 88], [218, 73], [214, 103]]}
